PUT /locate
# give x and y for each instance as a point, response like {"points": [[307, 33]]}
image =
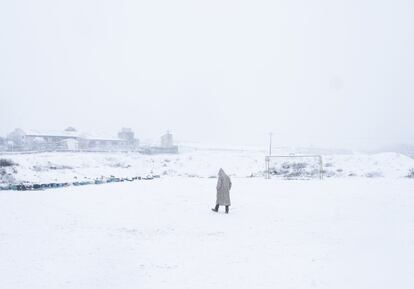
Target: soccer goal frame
{"points": [[318, 157]]}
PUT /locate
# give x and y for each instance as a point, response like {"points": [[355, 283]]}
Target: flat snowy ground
{"points": [[338, 233]]}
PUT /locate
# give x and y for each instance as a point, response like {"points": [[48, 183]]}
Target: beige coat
{"points": [[223, 189]]}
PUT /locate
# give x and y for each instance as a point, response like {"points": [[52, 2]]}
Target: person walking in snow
{"points": [[223, 191]]}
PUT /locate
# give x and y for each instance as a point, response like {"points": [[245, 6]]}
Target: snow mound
{"points": [[203, 163]]}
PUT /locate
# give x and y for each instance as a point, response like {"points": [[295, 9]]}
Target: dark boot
{"points": [[227, 209], [215, 209]]}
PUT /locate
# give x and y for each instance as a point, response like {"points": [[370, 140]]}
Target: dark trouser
{"points": [[227, 208]]}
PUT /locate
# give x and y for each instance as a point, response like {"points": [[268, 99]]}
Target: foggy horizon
{"points": [[326, 73]]}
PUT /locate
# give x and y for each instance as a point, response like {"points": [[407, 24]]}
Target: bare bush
{"points": [[374, 175], [6, 163]]}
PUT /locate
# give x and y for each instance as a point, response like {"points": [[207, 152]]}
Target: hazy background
{"points": [[313, 72]]}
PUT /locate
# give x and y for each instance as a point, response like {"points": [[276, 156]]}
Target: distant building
{"points": [[39, 141], [16, 140], [69, 140], [103, 143], [167, 140], [128, 135], [167, 146]]}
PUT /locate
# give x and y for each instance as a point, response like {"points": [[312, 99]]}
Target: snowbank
{"points": [[70, 166]]}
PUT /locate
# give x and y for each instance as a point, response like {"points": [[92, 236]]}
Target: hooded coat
{"points": [[223, 189]]}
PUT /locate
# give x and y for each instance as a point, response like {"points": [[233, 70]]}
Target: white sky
{"points": [[326, 72]]}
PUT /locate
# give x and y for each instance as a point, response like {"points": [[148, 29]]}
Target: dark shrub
{"points": [[6, 163]]}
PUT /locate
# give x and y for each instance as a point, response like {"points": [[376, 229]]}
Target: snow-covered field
{"points": [[192, 162], [336, 233]]}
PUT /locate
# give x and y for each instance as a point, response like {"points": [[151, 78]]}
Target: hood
{"points": [[222, 173]]}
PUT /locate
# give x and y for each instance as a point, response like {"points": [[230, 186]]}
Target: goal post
{"points": [[294, 166]]}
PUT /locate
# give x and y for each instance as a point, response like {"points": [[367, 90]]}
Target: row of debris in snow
{"points": [[304, 170], [98, 181]]}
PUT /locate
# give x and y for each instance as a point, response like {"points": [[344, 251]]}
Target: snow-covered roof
{"points": [[72, 134], [99, 136], [52, 133]]}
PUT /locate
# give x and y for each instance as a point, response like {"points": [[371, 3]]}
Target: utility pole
{"points": [[267, 159], [270, 143]]}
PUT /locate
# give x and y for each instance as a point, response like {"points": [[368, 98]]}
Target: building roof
{"points": [[95, 136], [72, 134], [52, 133]]}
